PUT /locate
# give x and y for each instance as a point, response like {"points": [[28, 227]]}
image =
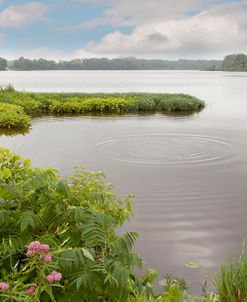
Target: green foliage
{"points": [[173, 294], [7, 89], [114, 64], [78, 217], [212, 297], [3, 64], [17, 168], [10, 96], [170, 280], [12, 116], [231, 281], [121, 103], [86, 103], [180, 102], [236, 62], [90, 105], [146, 104]]}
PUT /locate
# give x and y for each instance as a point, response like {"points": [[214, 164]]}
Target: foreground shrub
{"points": [[12, 116], [59, 240], [77, 218]]}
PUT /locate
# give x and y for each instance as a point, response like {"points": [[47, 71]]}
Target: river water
{"points": [[189, 173]]}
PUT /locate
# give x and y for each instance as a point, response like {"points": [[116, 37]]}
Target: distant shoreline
{"points": [[235, 62], [122, 70], [130, 63]]}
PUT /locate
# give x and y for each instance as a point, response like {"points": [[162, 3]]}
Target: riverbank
{"points": [[27, 103]]}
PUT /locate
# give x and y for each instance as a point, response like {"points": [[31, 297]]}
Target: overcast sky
{"points": [[167, 29]]}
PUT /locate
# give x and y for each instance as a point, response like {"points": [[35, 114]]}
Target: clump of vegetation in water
{"points": [[86, 103], [90, 105], [13, 116]]}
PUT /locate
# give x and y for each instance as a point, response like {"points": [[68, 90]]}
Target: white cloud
{"points": [[22, 14], [216, 31], [156, 28], [133, 13]]}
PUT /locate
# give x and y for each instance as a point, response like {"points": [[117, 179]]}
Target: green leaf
{"points": [[191, 264], [87, 254], [6, 173], [27, 219]]}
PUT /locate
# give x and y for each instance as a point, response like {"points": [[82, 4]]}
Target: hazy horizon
{"points": [[112, 58]]}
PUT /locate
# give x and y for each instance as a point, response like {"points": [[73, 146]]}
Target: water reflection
{"points": [[14, 132]]}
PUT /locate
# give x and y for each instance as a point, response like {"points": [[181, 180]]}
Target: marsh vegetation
{"points": [[24, 104]]}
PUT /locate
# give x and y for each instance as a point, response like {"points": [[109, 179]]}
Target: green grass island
{"points": [[16, 108]]}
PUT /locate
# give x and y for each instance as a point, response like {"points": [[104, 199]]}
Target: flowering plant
{"points": [[34, 280]]}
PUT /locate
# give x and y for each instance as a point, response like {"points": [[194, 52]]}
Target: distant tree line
{"points": [[236, 62], [3, 64], [113, 64]]}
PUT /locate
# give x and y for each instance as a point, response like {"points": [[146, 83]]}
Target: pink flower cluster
{"points": [[4, 286], [31, 290], [35, 248], [54, 277]]}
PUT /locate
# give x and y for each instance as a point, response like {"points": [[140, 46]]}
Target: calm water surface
{"points": [[189, 173]]}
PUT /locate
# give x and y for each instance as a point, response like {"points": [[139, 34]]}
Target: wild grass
{"points": [[231, 281]]}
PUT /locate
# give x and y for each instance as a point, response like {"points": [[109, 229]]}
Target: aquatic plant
{"points": [[90, 105], [12, 116], [85, 103]]}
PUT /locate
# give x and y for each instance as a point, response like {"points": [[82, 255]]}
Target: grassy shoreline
{"points": [[29, 103]]}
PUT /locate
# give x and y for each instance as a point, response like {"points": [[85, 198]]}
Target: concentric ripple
{"points": [[166, 149]]}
